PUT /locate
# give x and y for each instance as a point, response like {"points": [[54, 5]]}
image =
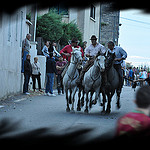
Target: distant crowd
{"points": [[135, 74]]}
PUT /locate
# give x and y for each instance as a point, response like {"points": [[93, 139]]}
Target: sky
{"points": [[134, 36]]}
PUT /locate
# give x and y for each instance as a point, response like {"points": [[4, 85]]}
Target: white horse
{"points": [[92, 80], [72, 74]]}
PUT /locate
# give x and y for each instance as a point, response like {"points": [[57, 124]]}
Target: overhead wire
{"points": [[136, 20]]}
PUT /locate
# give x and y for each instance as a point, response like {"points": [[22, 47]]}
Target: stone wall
{"points": [[109, 25]]}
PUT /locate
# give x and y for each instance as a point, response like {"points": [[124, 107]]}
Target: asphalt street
{"points": [[43, 111]]}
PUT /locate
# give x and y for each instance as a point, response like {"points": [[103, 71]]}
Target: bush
{"points": [[70, 30], [51, 28]]}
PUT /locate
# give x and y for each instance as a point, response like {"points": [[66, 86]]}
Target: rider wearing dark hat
{"points": [[91, 52], [66, 51]]}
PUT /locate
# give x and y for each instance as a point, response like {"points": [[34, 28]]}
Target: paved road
{"points": [[43, 111]]}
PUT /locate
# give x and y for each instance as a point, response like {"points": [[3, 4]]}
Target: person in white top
{"points": [[91, 53], [36, 74]]}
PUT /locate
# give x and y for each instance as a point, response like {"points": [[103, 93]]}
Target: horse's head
{"points": [[109, 59], [76, 56], [100, 61]]}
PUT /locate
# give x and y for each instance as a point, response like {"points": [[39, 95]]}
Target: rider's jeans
{"points": [[120, 73]]}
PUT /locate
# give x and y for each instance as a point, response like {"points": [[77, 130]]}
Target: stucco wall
{"points": [[13, 31]]}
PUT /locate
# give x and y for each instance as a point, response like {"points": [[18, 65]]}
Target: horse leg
{"points": [[82, 99], [70, 101], [67, 109], [104, 101], [79, 95], [72, 98], [90, 104], [86, 107], [118, 100], [108, 104]]}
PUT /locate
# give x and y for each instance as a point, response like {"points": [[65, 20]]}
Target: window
{"points": [[60, 9], [92, 13]]}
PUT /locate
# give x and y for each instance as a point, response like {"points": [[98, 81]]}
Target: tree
{"points": [[70, 30], [49, 26]]}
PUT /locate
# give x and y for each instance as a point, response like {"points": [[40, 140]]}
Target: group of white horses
{"points": [[91, 82]]}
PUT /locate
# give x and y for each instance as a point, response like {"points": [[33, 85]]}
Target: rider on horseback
{"points": [[91, 52], [121, 55], [66, 52]]}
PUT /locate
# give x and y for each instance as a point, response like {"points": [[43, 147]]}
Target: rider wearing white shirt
{"points": [[91, 53]]}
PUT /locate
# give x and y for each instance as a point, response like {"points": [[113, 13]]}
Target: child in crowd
{"points": [[50, 70], [139, 119], [60, 65]]}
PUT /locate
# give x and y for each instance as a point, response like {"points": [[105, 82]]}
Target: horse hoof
{"points": [[72, 111], [103, 112], [67, 109], [107, 112], [94, 102], [101, 104], [82, 104], [86, 111], [78, 109], [118, 105], [70, 102]]}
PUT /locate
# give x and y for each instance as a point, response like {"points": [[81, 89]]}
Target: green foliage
{"points": [[50, 27], [70, 30]]}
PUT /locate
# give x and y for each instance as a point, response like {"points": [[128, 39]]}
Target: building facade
{"points": [[87, 19], [98, 19], [13, 29]]}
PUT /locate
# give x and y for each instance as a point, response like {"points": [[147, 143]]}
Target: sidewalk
{"points": [[20, 96]]}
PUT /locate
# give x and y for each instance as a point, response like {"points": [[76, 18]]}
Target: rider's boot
{"points": [[120, 84], [105, 82], [80, 78]]}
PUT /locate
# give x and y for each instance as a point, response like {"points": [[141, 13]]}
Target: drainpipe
{"points": [[100, 20]]}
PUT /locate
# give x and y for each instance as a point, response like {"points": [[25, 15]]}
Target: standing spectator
{"points": [[50, 70], [123, 67], [137, 73], [36, 74], [27, 74], [25, 49], [127, 76], [60, 65], [131, 73], [143, 76]]}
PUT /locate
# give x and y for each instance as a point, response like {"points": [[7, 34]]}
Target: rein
{"points": [[76, 63], [92, 77]]}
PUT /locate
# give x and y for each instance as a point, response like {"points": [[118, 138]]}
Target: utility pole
{"points": [[33, 20]]}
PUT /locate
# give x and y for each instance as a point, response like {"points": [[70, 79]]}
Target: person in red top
{"points": [[139, 119], [66, 51]]}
